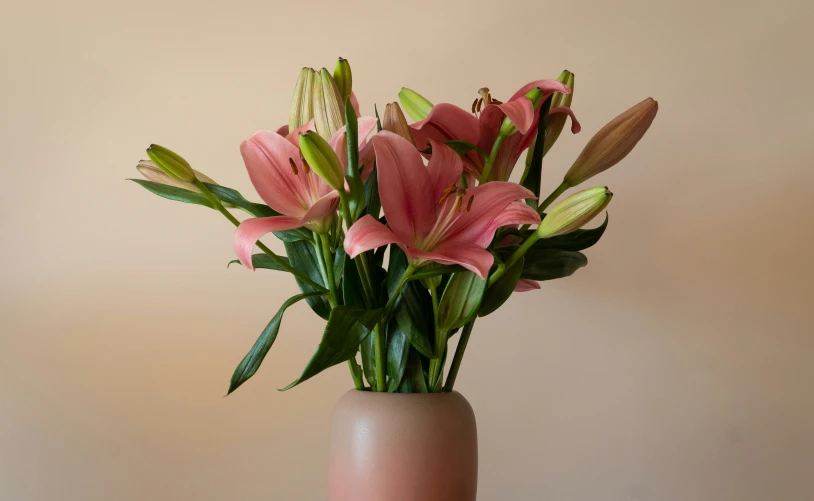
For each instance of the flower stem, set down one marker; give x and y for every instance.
(459, 355)
(436, 364)
(554, 195)
(328, 265)
(381, 361)
(487, 168)
(513, 258)
(274, 257)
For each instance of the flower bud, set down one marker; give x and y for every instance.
(343, 78)
(328, 113)
(613, 142)
(574, 212)
(171, 163)
(556, 122)
(321, 158)
(302, 103)
(152, 173)
(394, 121)
(415, 104)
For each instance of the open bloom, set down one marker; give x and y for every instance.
(288, 185)
(429, 216)
(447, 122)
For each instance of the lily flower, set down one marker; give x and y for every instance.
(429, 216)
(288, 185)
(482, 125)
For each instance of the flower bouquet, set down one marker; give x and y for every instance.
(401, 235)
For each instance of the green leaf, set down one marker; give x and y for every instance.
(251, 362)
(353, 291)
(550, 264)
(262, 261)
(347, 327)
(372, 201)
(368, 350)
(303, 258)
(575, 241)
(173, 193)
(499, 292)
(434, 271)
(532, 176)
(414, 381)
(461, 299)
(414, 310)
(340, 257)
(398, 349)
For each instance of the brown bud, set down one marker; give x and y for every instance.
(394, 121)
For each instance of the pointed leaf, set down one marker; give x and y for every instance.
(302, 256)
(499, 292)
(174, 193)
(347, 327)
(353, 175)
(398, 349)
(251, 362)
(532, 176)
(550, 264)
(264, 262)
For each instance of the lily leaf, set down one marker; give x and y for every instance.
(251, 362)
(414, 309)
(353, 174)
(372, 201)
(173, 193)
(263, 261)
(347, 328)
(398, 349)
(532, 176)
(302, 256)
(460, 147)
(499, 292)
(550, 264)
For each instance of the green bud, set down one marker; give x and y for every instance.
(171, 163)
(574, 212)
(321, 158)
(302, 102)
(613, 142)
(461, 300)
(416, 105)
(151, 172)
(343, 78)
(556, 122)
(328, 113)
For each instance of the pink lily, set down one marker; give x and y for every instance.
(431, 218)
(447, 121)
(286, 183)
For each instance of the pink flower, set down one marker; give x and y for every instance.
(447, 121)
(286, 183)
(429, 216)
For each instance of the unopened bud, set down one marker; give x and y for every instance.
(302, 102)
(171, 163)
(416, 105)
(343, 78)
(574, 212)
(395, 121)
(613, 142)
(556, 122)
(328, 113)
(151, 172)
(321, 158)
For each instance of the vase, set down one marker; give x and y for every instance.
(403, 447)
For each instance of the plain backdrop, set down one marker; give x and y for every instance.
(678, 366)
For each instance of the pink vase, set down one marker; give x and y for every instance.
(403, 447)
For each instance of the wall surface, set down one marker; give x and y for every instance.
(677, 366)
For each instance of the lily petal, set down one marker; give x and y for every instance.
(575, 126)
(250, 231)
(268, 158)
(367, 233)
(471, 257)
(322, 210)
(520, 111)
(547, 86)
(525, 285)
(405, 188)
(365, 125)
(445, 168)
(514, 214)
(446, 122)
(488, 202)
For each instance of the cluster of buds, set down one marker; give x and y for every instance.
(320, 96)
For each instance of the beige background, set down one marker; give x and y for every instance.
(677, 367)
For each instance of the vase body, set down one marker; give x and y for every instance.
(403, 447)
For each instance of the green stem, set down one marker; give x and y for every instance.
(554, 195)
(356, 374)
(513, 258)
(487, 168)
(381, 361)
(436, 366)
(459, 355)
(274, 257)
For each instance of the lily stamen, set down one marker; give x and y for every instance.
(293, 166)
